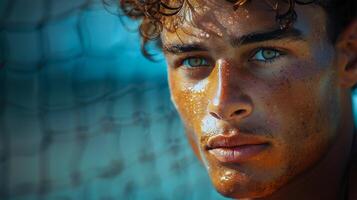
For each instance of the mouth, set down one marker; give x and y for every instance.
(237, 148)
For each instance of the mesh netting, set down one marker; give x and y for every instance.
(82, 114)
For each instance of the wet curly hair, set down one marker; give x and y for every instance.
(154, 15)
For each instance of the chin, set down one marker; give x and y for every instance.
(233, 183)
(241, 192)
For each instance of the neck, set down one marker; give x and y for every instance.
(327, 179)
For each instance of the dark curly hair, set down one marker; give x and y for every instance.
(155, 14)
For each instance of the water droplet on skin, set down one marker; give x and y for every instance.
(224, 178)
(227, 175)
(209, 125)
(199, 87)
(205, 9)
(233, 131)
(230, 21)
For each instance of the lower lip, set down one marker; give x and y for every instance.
(238, 154)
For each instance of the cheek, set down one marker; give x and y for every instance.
(296, 93)
(189, 103)
(304, 104)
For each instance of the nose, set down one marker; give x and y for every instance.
(227, 100)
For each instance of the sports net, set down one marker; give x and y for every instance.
(82, 114)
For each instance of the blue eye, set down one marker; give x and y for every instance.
(266, 55)
(195, 62)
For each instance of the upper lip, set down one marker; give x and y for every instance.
(235, 140)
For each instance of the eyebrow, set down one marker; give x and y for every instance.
(278, 34)
(181, 48)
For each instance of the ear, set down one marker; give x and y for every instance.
(346, 47)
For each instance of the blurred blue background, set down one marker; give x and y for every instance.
(83, 115)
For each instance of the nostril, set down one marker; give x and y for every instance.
(214, 115)
(240, 112)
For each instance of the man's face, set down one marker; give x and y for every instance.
(261, 105)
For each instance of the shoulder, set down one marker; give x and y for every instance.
(352, 174)
(352, 180)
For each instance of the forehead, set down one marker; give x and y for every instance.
(219, 20)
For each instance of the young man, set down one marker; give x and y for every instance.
(264, 90)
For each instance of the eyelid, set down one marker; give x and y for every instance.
(255, 51)
(181, 61)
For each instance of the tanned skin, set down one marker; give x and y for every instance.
(236, 76)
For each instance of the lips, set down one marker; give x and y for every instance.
(235, 148)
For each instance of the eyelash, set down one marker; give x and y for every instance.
(182, 61)
(280, 54)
